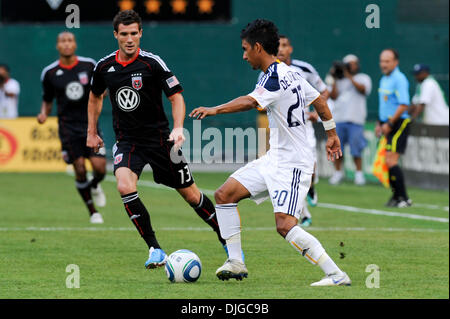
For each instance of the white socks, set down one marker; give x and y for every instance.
(307, 245)
(234, 247)
(230, 229)
(327, 265)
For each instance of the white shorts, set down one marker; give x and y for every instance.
(286, 187)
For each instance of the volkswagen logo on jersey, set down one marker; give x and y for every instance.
(136, 80)
(74, 91)
(127, 99)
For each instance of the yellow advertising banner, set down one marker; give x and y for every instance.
(27, 146)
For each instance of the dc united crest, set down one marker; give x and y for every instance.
(136, 81)
(118, 158)
(83, 77)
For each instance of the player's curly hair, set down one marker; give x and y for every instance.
(264, 32)
(127, 17)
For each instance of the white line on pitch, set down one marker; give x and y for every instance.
(325, 205)
(381, 212)
(201, 229)
(430, 206)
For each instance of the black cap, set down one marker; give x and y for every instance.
(419, 68)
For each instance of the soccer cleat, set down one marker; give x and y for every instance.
(96, 218)
(232, 268)
(359, 178)
(337, 177)
(98, 196)
(333, 280)
(392, 202)
(226, 250)
(312, 200)
(306, 222)
(156, 258)
(402, 202)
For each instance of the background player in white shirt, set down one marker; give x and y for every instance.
(284, 173)
(428, 98)
(310, 74)
(9, 94)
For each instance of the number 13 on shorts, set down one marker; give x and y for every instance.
(185, 174)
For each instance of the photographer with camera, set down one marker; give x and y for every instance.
(9, 94)
(349, 92)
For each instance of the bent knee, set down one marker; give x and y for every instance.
(125, 187)
(285, 223)
(100, 171)
(222, 196)
(219, 196)
(192, 198)
(80, 170)
(99, 166)
(283, 229)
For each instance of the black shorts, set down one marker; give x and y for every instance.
(76, 147)
(398, 137)
(169, 167)
(73, 141)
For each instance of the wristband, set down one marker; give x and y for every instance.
(329, 125)
(391, 125)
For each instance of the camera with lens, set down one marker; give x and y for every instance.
(2, 80)
(337, 71)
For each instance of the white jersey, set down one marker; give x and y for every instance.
(309, 73)
(312, 76)
(286, 95)
(430, 94)
(9, 104)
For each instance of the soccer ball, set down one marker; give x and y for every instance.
(183, 266)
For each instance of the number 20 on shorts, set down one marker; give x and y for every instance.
(280, 197)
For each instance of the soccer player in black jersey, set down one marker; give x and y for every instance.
(68, 80)
(135, 80)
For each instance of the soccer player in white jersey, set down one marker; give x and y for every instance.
(284, 173)
(310, 74)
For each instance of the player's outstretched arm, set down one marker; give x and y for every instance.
(240, 104)
(94, 109)
(333, 145)
(46, 109)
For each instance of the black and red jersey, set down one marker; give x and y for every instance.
(70, 85)
(135, 90)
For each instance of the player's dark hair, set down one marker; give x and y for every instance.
(63, 32)
(282, 36)
(127, 17)
(394, 52)
(263, 32)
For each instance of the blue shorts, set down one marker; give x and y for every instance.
(353, 134)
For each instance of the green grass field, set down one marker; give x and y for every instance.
(44, 227)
